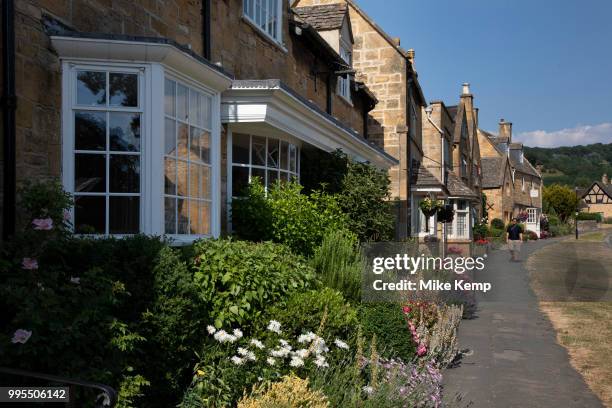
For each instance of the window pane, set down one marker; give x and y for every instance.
(272, 178)
(194, 180)
(292, 158)
(258, 154)
(91, 88)
(90, 172)
(273, 153)
(182, 189)
(89, 130)
(284, 156)
(205, 180)
(183, 216)
(240, 180)
(170, 215)
(181, 102)
(204, 218)
(259, 173)
(124, 215)
(123, 89)
(206, 111)
(170, 137)
(124, 131)
(182, 139)
(195, 108)
(200, 145)
(89, 215)
(169, 97)
(124, 173)
(240, 148)
(170, 176)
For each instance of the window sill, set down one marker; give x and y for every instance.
(264, 35)
(345, 100)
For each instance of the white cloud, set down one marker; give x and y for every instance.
(579, 135)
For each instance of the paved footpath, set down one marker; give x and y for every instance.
(514, 359)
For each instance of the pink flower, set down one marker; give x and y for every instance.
(407, 309)
(66, 215)
(29, 264)
(422, 350)
(21, 336)
(42, 224)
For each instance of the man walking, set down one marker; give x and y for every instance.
(514, 238)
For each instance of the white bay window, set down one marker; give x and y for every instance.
(460, 227)
(141, 140)
(265, 15)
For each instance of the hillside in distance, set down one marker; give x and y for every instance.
(573, 165)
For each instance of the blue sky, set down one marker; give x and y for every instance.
(544, 65)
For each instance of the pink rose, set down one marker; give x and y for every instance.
(29, 264)
(422, 350)
(407, 309)
(43, 224)
(21, 336)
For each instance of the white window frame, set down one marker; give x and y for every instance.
(151, 94)
(452, 228)
(344, 81)
(272, 30)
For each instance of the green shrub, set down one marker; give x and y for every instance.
(239, 279)
(590, 217)
(285, 215)
(480, 231)
(553, 220)
(339, 263)
(304, 311)
(387, 322)
(497, 224)
(363, 192)
(496, 232)
(561, 229)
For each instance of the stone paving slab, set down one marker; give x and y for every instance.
(514, 358)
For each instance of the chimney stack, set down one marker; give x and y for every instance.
(505, 130)
(410, 54)
(604, 179)
(466, 89)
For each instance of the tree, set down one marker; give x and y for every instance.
(562, 199)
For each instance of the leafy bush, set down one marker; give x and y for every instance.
(590, 217)
(497, 223)
(238, 279)
(387, 322)
(561, 229)
(305, 310)
(562, 199)
(553, 220)
(530, 236)
(497, 232)
(363, 192)
(290, 392)
(339, 263)
(480, 231)
(285, 215)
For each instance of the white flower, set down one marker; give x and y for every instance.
(285, 344)
(296, 362)
(238, 333)
(237, 360)
(211, 329)
(242, 351)
(306, 338)
(223, 337)
(271, 361)
(274, 326)
(257, 344)
(319, 345)
(251, 356)
(280, 352)
(320, 362)
(368, 390)
(75, 280)
(340, 344)
(302, 353)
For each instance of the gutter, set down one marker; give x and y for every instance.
(9, 106)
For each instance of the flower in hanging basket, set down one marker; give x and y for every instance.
(430, 206)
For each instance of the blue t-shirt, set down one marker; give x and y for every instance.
(514, 232)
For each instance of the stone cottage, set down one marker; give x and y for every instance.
(513, 186)
(155, 114)
(598, 197)
(389, 72)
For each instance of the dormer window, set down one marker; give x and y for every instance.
(265, 15)
(344, 81)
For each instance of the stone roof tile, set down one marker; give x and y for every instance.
(323, 17)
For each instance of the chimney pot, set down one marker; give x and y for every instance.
(466, 88)
(505, 130)
(604, 179)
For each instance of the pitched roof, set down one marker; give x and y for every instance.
(323, 17)
(606, 188)
(492, 171)
(421, 176)
(457, 188)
